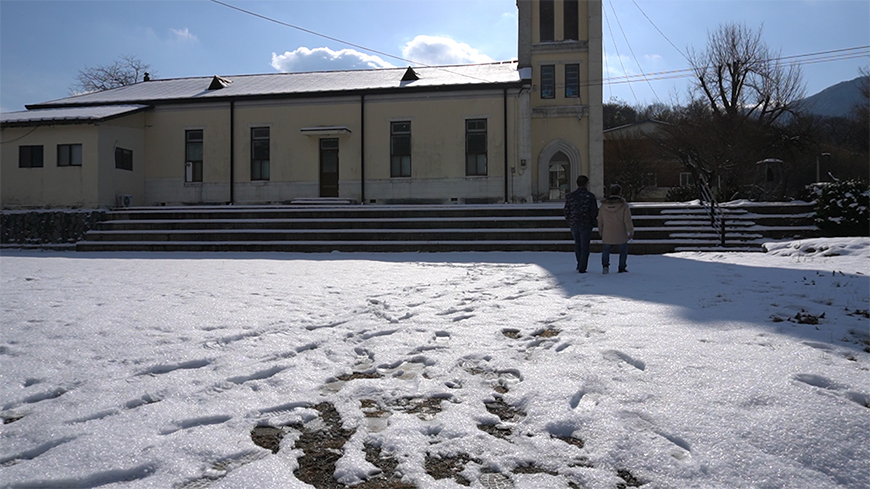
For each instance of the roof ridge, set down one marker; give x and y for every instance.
(348, 70)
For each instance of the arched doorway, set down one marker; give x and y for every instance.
(558, 168)
(559, 176)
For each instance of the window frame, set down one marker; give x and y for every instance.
(196, 165)
(66, 155)
(126, 159)
(547, 20)
(400, 161)
(548, 82)
(30, 162)
(572, 86)
(686, 179)
(571, 20)
(258, 165)
(476, 130)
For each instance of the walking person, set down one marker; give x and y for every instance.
(581, 212)
(615, 228)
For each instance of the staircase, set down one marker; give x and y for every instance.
(660, 228)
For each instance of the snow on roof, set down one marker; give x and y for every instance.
(288, 84)
(67, 115)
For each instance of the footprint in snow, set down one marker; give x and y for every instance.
(821, 382)
(618, 356)
(187, 424)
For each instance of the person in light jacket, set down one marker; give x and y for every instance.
(615, 228)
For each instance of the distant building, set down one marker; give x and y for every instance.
(517, 131)
(632, 159)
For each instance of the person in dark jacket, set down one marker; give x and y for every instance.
(615, 228)
(581, 212)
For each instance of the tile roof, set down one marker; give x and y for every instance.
(296, 84)
(67, 114)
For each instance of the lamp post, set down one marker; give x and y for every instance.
(817, 166)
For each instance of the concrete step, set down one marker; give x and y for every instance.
(636, 247)
(660, 228)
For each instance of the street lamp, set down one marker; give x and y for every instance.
(817, 165)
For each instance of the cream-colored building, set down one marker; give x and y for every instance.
(518, 131)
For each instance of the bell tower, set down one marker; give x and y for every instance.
(560, 59)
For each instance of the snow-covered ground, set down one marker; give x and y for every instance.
(707, 370)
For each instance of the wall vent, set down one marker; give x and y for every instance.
(410, 75)
(219, 82)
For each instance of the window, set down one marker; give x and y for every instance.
(475, 147)
(548, 81)
(547, 22)
(686, 179)
(571, 11)
(572, 81)
(193, 155)
(30, 156)
(69, 155)
(400, 149)
(259, 153)
(123, 159)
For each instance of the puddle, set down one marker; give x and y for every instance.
(405, 371)
(268, 437)
(376, 419)
(444, 467)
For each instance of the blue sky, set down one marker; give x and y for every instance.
(43, 44)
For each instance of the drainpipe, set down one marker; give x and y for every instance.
(506, 172)
(362, 148)
(232, 151)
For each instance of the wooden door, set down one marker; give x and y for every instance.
(329, 167)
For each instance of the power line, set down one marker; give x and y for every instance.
(285, 24)
(347, 43)
(617, 51)
(795, 60)
(660, 31)
(636, 59)
(819, 57)
(791, 60)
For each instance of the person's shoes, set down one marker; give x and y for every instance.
(581, 271)
(605, 270)
(622, 270)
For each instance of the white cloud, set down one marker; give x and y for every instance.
(617, 66)
(183, 34)
(433, 50)
(325, 59)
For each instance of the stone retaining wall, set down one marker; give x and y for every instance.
(47, 227)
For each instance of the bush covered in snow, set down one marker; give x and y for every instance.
(842, 207)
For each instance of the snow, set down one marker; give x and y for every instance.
(713, 370)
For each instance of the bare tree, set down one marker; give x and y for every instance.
(126, 70)
(741, 91)
(740, 77)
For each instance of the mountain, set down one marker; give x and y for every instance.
(837, 100)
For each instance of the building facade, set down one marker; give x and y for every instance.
(633, 159)
(518, 131)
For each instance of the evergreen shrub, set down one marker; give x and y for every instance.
(842, 207)
(682, 194)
